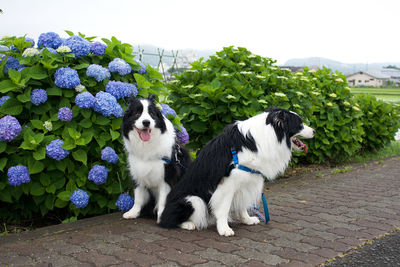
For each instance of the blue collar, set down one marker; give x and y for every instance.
(173, 162)
(241, 167)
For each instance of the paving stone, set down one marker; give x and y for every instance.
(255, 254)
(96, 258)
(184, 259)
(303, 257)
(323, 235)
(136, 258)
(221, 246)
(148, 237)
(299, 246)
(289, 236)
(60, 247)
(56, 259)
(224, 258)
(143, 246)
(265, 246)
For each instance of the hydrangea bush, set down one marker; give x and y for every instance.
(236, 84)
(61, 107)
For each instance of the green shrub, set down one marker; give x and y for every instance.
(53, 181)
(236, 84)
(380, 121)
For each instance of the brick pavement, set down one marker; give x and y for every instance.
(314, 217)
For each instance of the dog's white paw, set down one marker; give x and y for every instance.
(251, 220)
(131, 214)
(225, 231)
(188, 225)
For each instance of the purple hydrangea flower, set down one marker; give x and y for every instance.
(9, 128)
(182, 135)
(107, 105)
(38, 96)
(49, 39)
(98, 72)
(13, 63)
(119, 65)
(18, 175)
(121, 89)
(65, 114)
(4, 99)
(85, 100)
(124, 202)
(167, 110)
(28, 39)
(98, 48)
(98, 174)
(108, 154)
(67, 78)
(142, 69)
(79, 198)
(79, 46)
(55, 151)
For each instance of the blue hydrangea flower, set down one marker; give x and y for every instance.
(55, 151)
(98, 48)
(120, 89)
(107, 105)
(124, 202)
(79, 46)
(4, 99)
(142, 69)
(167, 110)
(79, 198)
(98, 174)
(13, 63)
(85, 100)
(67, 78)
(119, 65)
(98, 72)
(18, 175)
(38, 96)
(28, 39)
(108, 154)
(182, 135)
(65, 114)
(49, 39)
(9, 128)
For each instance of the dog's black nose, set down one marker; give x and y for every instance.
(146, 123)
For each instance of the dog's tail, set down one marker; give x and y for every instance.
(190, 208)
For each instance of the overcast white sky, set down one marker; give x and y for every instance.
(351, 31)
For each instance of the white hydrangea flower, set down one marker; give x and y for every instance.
(315, 93)
(242, 64)
(30, 52)
(286, 69)
(188, 86)
(304, 79)
(192, 71)
(299, 93)
(246, 72)
(329, 104)
(312, 71)
(356, 108)
(260, 76)
(262, 101)
(257, 65)
(282, 77)
(197, 95)
(231, 97)
(333, 95)
(79, 88)
(339, 80)
(280, 94)
(63, 49)
(273, 68)
(346, 103)
(225, 75)
(252, 56)
(314, 79)
(48, 125)
(298, 73)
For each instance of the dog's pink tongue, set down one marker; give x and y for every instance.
(145, 135)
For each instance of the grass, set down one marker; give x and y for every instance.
(385, 94)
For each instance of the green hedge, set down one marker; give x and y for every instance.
(236, 84)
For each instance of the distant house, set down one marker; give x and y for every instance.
(374, 78)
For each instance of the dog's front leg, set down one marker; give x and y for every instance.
(221, 203)
(163, 192)
(142, 196)
(246, 218)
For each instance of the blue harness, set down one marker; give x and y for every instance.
(255, 209)
(174, 159)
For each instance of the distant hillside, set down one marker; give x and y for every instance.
(336, 65)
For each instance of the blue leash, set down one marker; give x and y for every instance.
(255, 209)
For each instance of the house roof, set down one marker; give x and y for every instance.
(378, 74)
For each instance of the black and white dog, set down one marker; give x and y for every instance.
(214, 188)
(156, 160)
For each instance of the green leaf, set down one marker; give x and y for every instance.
(38, 124)
(11, 107)
(54, 91)
(141, 81)
(14, 75)
(49, 202)
(102, 201)
(3, 162)
(45, 179)
(6, 86)
(100, 120)
(114, 135)
(85, 138)
(69, 33)
(51, 189)
(80, 155)
(5, 196)
(35, 166)
(74, 133)
(81, 66)
(85, 123)
(3, 146)
(40, 153)
(37, 189)
(64, 195)
(199, 126)
(35, 72)
(60, 203)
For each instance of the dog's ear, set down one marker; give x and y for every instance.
(280, 118)
(132, 98)
(152, 97)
